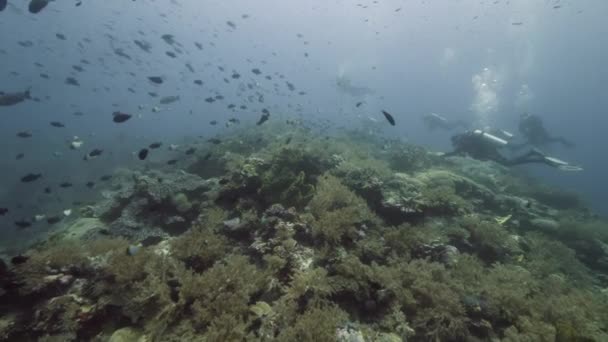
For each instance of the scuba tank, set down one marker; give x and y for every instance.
(492, 139)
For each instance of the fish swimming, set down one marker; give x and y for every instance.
(93, 154)
(53, 220)
(119, 117)
(143, 154)
(190, 151)
(3, 4)
(172, 162)
(24, 134)
(11, 99)
(156, 79)
(65, 185)
(264, 117)
(389, 118)
(155, 145)
(36, 6)
(3, 211)
(169, 99)
(22, 224)
(57, 124)
(31, 177)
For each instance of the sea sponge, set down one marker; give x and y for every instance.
(181, 202)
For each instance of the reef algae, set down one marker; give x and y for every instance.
(332, 238)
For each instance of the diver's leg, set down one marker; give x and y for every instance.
(531, 157)
(563, 141)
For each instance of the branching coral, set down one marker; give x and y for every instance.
(339, 213)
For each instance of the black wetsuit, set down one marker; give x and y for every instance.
(533, 130)
(477, 147)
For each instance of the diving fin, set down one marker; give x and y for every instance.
(571, 168)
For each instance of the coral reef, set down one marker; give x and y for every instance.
(295, 236)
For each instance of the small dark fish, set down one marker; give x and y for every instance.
(3, 211)
(172, 162)
(389, 118)
(105, 178)
(19, 156)
(11, 99)
(231, 24)
(24, 134)
(236, 76)
(72, 81)
(263, 118)
(36, 6)
(215, 141)
(93, 154)
(31, 177)
(143, 45)
(198, 82)
(234, 120)
(22, 224)
(170, 54)
(169, 99)
(53, 219)
(19, 259)
(119, 117)
(45, 76)
(358, 104)
(190, 151)
(90, 185)
(256, 71)
(57, 124)
(210, 100)
(213, 122)
(155, 145)
(3, 4)
(143, 154)
(65, 185)
(156, 79)
(48, 190)
(288, 140)
(78, 4)
(60, 36)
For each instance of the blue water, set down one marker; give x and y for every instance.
(462, 59)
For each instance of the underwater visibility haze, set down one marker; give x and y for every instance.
(399, 170)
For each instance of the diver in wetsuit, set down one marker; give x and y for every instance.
(533, 130)
(485, 146)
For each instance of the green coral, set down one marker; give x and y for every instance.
(291, 177)
(339, 213)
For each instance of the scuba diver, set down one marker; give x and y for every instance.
(434, 121)
(535, 133)
(485, 146)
